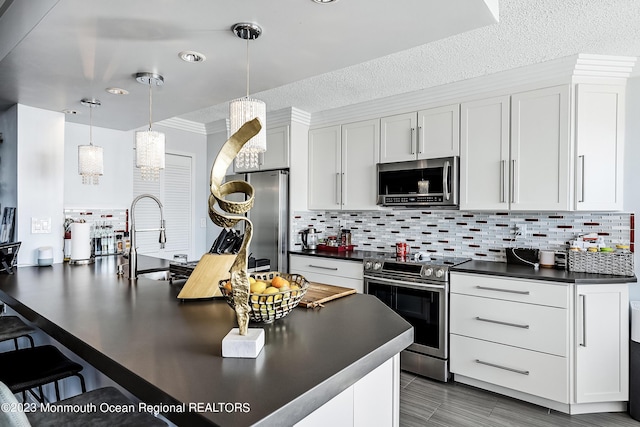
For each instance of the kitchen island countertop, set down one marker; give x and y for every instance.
(166, 351)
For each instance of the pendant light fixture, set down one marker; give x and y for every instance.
(150, 144)
(90, 158)
(242, 110)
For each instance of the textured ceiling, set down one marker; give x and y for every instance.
(529, 31)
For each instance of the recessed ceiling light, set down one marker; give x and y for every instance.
(117, 91)
(71, 112)
(324, 1)
(191, 56)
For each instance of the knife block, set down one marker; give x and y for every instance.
(203, 281)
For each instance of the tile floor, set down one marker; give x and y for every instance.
(427, 403)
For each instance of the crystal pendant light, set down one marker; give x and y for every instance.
(242, 110)
(90, 158)
(150, 144)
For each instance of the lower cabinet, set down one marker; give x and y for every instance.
(348, 274)
(372, 401)
(559, 345)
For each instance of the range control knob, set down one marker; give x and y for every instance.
(377, 265)
(428, 272)
(439, 272)
(367, 265)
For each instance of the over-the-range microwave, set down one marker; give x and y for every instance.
(420, 183)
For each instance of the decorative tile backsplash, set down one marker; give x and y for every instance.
(117, 218)
(478, 235)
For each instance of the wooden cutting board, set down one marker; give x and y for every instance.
(319, 293)
(203, 281)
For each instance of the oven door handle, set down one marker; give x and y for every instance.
(402, 284)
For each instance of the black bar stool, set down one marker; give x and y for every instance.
(12, 328)
(24, 369)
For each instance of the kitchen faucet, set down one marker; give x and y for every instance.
(133, 253)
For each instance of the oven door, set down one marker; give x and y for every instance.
(424, 306)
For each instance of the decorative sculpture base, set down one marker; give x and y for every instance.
(246, 346)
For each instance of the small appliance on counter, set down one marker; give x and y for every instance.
(45, 256)
(310, 239)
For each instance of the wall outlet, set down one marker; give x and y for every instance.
(520, 230)
(203, 223)
(342, 223)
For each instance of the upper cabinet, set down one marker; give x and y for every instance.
(599, 146)
(342, 166)
(277, 154)
(426, 134)
(516, 151)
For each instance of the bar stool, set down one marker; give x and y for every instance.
(24, 369)
(107, 395)
(12, 328)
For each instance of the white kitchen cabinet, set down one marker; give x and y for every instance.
(277, 154)
(515, 151)
(602, 343)
(342, 166)
(559, 345)
(599, 146)
(430, 133)
(348, 274)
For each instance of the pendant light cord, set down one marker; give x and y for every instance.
(150, 100)
(90, 124)
(247, 67)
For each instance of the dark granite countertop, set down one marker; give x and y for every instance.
(165, 351)
(550, 274)
(355, 255)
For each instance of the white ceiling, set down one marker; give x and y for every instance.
(53, 53)
(313, 57)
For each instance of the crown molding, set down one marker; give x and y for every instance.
(182, 124)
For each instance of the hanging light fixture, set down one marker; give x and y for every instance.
(90, 159)
(242, 110)
(150, 144)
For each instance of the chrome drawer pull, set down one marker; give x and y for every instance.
(515, 325)
(486, 288)
(325, 268)
(517, 371)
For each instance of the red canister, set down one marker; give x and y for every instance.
(402, 249)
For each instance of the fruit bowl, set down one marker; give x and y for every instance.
(269, 305)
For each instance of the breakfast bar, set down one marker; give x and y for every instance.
(168, 352)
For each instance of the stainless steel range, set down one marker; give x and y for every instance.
(417, 288)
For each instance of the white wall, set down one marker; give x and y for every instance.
(115, 190)
(40, 180)
(632, 163)
(215, 141)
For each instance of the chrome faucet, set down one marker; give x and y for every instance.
(133, 253)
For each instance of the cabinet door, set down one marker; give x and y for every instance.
(439, 132)
(539, 164)
(360, 148)
(398, 138)
(484, 154)
(602, 343)
(324, 168)
(599, 147)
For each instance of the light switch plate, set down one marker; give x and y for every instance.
(40, 225)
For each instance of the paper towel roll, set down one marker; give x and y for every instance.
(80, 241)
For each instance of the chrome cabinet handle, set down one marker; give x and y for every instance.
(513, 181)
(581, 178)
(584, 320)
(511, 291)
(324, 268)
(413, 151)
(493, 365)
(337, 188)
(503, 164)
(343, 195)
(445, 180)
(420, 140)
(499, 322)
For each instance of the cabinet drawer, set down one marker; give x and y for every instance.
(527, 371)
(319, 265)
(528, 291)
(528, 326)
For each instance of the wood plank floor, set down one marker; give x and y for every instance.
(427, 403)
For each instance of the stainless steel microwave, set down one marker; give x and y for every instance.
(420, 183)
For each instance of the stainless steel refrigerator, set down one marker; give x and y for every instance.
(270, 216)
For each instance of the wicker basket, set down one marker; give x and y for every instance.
(266, 308)
(619, 264)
